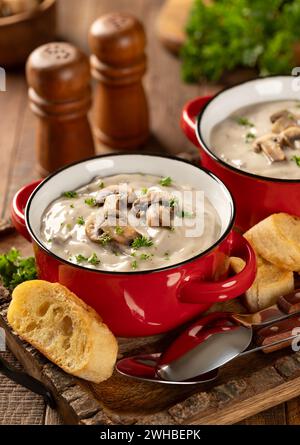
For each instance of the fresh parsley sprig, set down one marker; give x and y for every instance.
(14, 269)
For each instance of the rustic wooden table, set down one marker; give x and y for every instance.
(167, 94)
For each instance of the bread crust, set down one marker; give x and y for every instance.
(70, 333)
(277, 240)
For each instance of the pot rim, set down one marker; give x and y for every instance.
(213, 155)
(134, 273)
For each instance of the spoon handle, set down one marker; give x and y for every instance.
(264, 347)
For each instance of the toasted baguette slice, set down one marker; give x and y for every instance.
(277, 240)
(270, 283)
(64, 329)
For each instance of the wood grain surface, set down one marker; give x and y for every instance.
(166, 93)
(244, 387)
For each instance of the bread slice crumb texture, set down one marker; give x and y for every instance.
(64, 329)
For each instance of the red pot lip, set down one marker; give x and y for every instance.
(219, 160)
(133, 273)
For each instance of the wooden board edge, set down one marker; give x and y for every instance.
(253, 405)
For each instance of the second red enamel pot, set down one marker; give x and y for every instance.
(256, 197)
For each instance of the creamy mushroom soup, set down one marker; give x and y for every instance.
(130, 222)
(263, 139)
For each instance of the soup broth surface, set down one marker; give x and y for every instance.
(84, 227)
(233, 140)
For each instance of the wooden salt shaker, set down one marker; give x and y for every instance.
(58, 75)
(118, 63)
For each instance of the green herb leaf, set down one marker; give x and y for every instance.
(90, 202)
(146, 256)
(94, 260)
(172, 202)
(134, 265)
(80, 258)
(70, 195)
(186, 214)
(296, 159)
(80, 221)
(144, 191)
(166, 182)
(249, 137)
(141, 241)
(14, 269)
(69, 226)
(223, 36)
(101, 185)
(244, 122)
(104, 239)
(72, 206)
(119, 230)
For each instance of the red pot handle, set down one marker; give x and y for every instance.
(197, 291)
(189, 115)
(18, 205)
(196, 334)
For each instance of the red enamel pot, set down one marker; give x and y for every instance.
(141, 303)
(256, 197)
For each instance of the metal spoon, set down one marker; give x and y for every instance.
(143, 367)
(218, 338)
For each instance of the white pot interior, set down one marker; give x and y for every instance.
(82, 173)
(252, 92)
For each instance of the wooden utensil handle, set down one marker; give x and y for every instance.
(290, 303)
(278, 331)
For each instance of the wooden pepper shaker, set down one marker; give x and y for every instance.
(118, 63)
(58, 75)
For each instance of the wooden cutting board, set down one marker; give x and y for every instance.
(245, 387)
(171, 23)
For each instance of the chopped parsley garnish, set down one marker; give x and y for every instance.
(244, 122)
(49, 240)
(69, 226)
(296, 159)
(144, 190)
(101, 185)
(104, 239)
(146, 256)
(166, 182)
(70, 194)
(72, 206)
(186, 214)
(119, 230)
(134, 265)
(142, 241)
(249, 137)
(80, 258)
(173, 202)
(94, 260)
(80, 221)
(90, 202)
(167, 255)
(14, 269)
